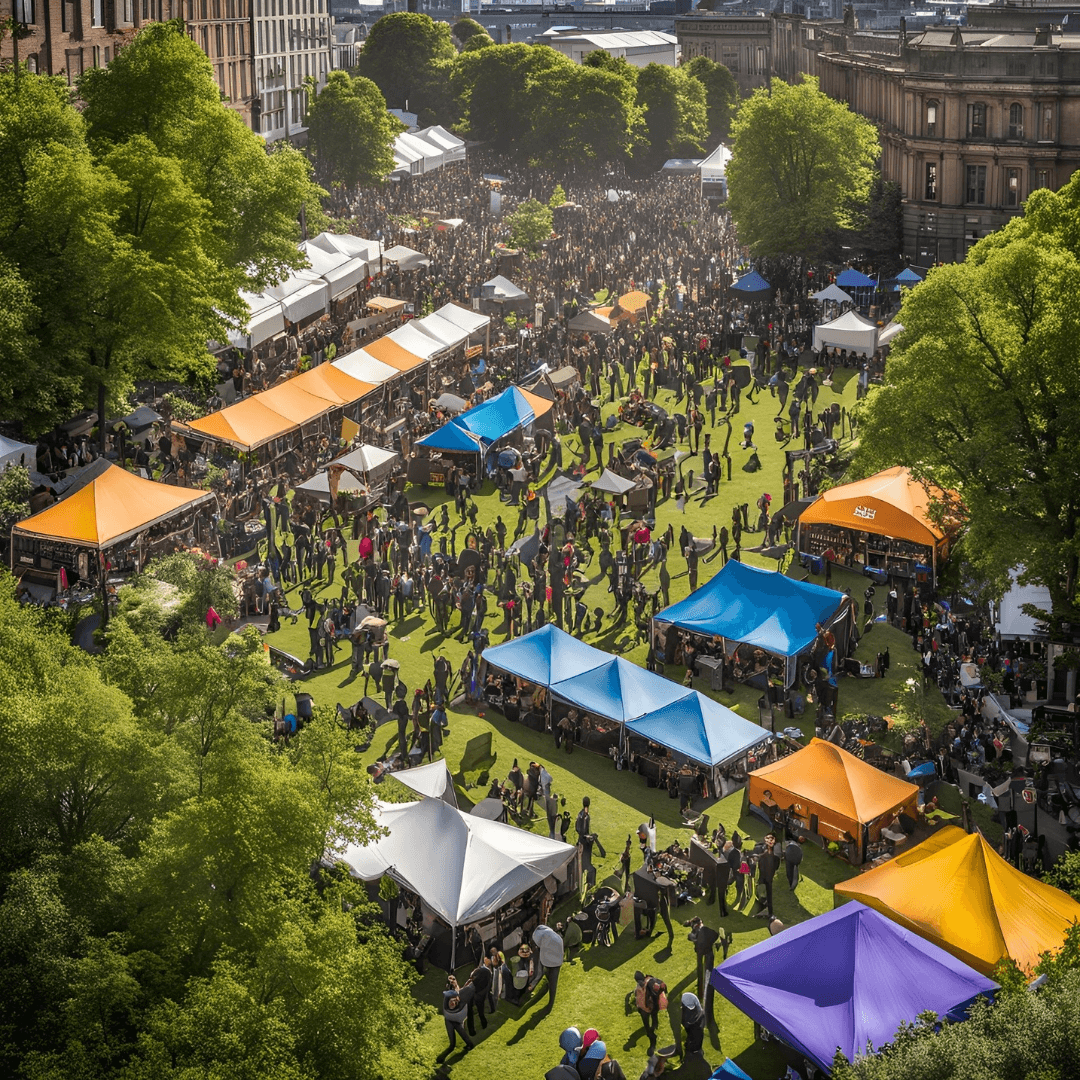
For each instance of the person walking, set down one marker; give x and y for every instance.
(549, 947)
(455, 1008)
(767, 864)
(650, 999)
(793, 856)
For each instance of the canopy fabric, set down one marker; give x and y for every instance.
(888, 333)
(384, 303)
(618, 690)
(405, 257)
(416, 342)
(848, 331)
(889, 503)
(612, 483)
(498, 416)
(502, 290)
(464, 868)
(715, 163)
(847, 792)
(472, 321)
(540, 406)
(846, 979)
(390, 352)
(907, 276)
(854, 279)
(245, 425)
(347, 244)
(699, 728)
(751, 283)
(294, 402)
(759, 607)
(333, 386)
(432, 780)
(340, 271)
(371, 462)
(957, 892)
(560, 490)
(545, 655)
(302, 295)
(589, 322)
(361, 365)
(447, 334)
(13, 452)
(107, 506)
(453, 437)
(634, 301)
(267, 319)
(835, 294)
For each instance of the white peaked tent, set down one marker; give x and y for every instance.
(432, 780)
(267, 320)
(439, 329)
(405, 257)
(416, 342)
(302, 295)
(501, 290)
(849, 331)
(340, 271)
(471, 321)
(17, 453)
(888, 333)
(347, 244)
(714, 173)
(464, 868)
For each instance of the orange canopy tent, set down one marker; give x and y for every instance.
(634, 301)
(390, 352)
(108, 506)
(889, 503)
(539, 405)
(833, 792)
(957, 892)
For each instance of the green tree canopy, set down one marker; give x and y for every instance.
(465, 29)
(401, 56)
(982, 394)
(675, 113)
(801, 164)
(530, 224)
(350, 133)
(721, 94)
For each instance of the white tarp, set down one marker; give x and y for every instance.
(463, 868)
(347, 244)
(849, 331)
(453, 148)
(445, 333)
(432, 780)
(302, 295)
(366, 368)
(17, 453)
(1011, 622)
(267, 320)
(372, 463)
(340, 271)
(888, 333)
(469, 320)
(713, 170)
(413, 341)
(502, 290)
(405, 257)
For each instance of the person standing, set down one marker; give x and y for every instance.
(704, 939)
(455, 1008)
(480, 980)
(549, 947)
(693, 1022)
(767, 865)
(793, 856)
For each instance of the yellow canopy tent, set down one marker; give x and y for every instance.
(109, 506)
(833, 792)
(634, 301)
(956, 891)
(246, 425)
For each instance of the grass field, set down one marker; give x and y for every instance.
(593, 989)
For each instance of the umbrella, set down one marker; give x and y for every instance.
(526, 548)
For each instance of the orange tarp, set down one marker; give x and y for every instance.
(890, 503)
(112, 506)
(332, 385)
(246, 424)
(840, 788)
(957, 892)
(390, 352)
(294, 402)
(634, 301)
(539, 405)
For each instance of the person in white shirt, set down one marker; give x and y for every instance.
(549, 945)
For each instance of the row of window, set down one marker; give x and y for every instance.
(290, 7)
(975, 184)
(978, 120)
(211, 9)
(281, 36)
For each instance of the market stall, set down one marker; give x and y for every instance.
(848, 331)
(361, 475)
(882, 524)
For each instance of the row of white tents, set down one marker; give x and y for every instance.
(423, 151)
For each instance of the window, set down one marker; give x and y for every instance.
(1016, 121)
(977, 120)
(65, 17)
(108, 55)
(976, 184)
(931, 119)
(73, 58)
(129, 11)
(24, 12)
(931, 180)
(95, 55)
(730, 57)
(1042, 178)
(1047, 124)
(97, 12)
(1012, 187)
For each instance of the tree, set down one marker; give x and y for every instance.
(15, 488)
(675, 114)
(465, 29)
(878, 227)
(1065, 874)
(721, 94)
(801, 163)
(530, 224)
(350, 132)
(982, 394)
(401, 56)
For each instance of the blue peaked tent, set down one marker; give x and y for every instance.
(761, 608)
(618, 690)
(452, 437)
(847, 979)
(483, 424)
(545, 655)
(752, 284)
(855, 279)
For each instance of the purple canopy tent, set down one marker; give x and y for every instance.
(846, 979)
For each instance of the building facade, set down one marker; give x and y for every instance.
(742, 43)
(222, 29)
(637, 47)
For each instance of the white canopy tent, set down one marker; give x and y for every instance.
(471, 321)
(713, 169)
(888, 333)
(405, 257)
(833, 293)
(302, 295)
(340, 271)
(347, 244)
(267, 320)
(463, 868)
(416, 342)
(432, 780)
(453, 148)
(446, 333)
(848, 331)
(501, 290)
(13, 452)
(360, 365)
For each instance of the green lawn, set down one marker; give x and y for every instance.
(592, 991)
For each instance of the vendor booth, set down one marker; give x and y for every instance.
(444, 448)
(748, 616)
(114, 512)
(545, 656)
(465, 870)
(501, 294)
(988, 912)
(361, 473)
(831, 796)
(881, 524)
(844, 980)
(849, 331)
(752, 286)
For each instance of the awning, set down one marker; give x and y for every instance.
(302, 295)
(406, 258)
(390, 352)
(467, 319)
(385, 303)
(440, 330)
(545, 655)
(360, 365)
(340, 271)
(452, 437)
(416, 342)
(618, 690)
(267, 320)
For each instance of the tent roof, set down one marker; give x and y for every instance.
(612, 483)
(618, 690)
(833, 292)
(590, 322)
(540, 406)
(247, 424)
(825, 774)
(889, 332)
(390, 352)
(302, 295)
(854, 279)
(432, 780)
(700, 728)
(847, 979)
(446, 333)
(361, 365)
(504, 289)
(751, 283)
(464, 868)
(416, 341)
(496, 417)
(545, 655)
(340, 271)
(384, 303)
(405, 257)
(716, 162)
(562, 486)
(907, 276)
(452, 436)
(956, 891)
(848, 331)
(758, 607)
(109, 505)
(364, 459)
(11, 451)
(889, 503)
(634, 301)
(469, 320)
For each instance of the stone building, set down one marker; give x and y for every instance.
(742, 43)
(223, 30)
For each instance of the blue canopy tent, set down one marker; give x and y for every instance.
(847, 979)
(451, 437)
(544, 656)
(696, 727)
(618, 690)
(752, 284)
(764, 609)
(907, 276)
(497, 416)
(855, 279)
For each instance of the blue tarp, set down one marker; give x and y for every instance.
(758, 607)
(854, 279)
(451, 437)
(545, 655)
(699, 728)
(751, 283)
(619, 690)
(847, 979)
(497, 416)
(729, 1071)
